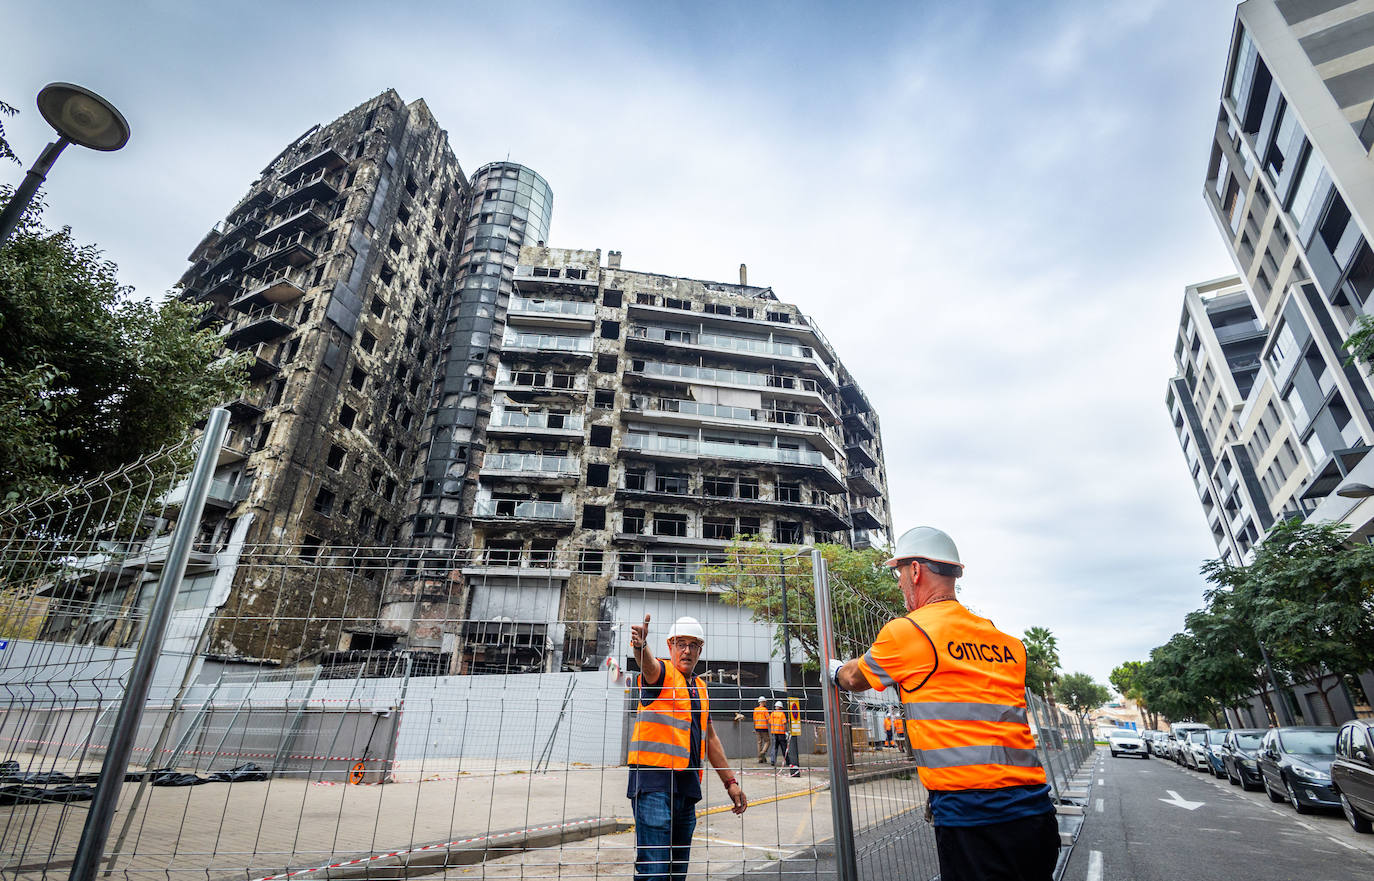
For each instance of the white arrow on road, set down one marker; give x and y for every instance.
(1179, 801)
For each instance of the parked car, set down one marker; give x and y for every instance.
(1215, 738)
(1352, 773)
(1153, 741)
(1238, 753)
(1125, 742)
(1195, 750)
(1295, 766)
(1178, 735)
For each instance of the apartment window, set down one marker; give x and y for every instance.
(365, 518)
(304, 314)
(382, 525)
(394, 244)
(610, 330)
(600, 436)
(675, 303)
(749, 487)
(347, 416)
(670, 524)
(386, 274)
(718, 486)
(357, 378)
(750, 526)
(598, 474)
(780, 317)
(636, 478)
(671, 483)
(744, 312)
(335, 459)
(403, 214)
(715, 309)
(367, 342)
(633, 521)
(310, 547)
(604, 399)
(645, 299)
(324, 502)
(377, 306)
(593, 516)
(789, 532)
(611, 298)
(590, 562)
(789, 492)
(607, 363)
(720, 528)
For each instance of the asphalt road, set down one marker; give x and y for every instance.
(1135, 831)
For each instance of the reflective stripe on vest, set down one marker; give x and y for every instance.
(777, 722)
(760, 718)
(662, 734)
(966, 719)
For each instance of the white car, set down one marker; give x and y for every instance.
(1125, 742)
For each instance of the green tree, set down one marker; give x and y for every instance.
(1360, 343)
(1042, 661)
(5, 151)
(1080, 693)
(863, 597)
(1128, 678)
(90, 377)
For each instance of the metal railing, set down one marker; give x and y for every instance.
(722, 450)
(572, 308)
(540, 463)
(519, 419)
(522, 510)
(533, 342)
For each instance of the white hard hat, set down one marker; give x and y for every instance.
(687, 626)
(927, 543)
(777, 705)
(762, 699)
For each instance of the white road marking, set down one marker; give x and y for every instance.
(1343, 844)
(1179, 801)
(1101, 782)
(1094, 865)
(1097, 806)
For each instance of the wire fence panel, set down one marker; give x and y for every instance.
(373, 712)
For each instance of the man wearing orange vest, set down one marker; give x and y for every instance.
(761, 729)
(672, 731)
(962, 683)
(888, 726)
(777, 726)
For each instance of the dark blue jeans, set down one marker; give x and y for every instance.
(664, 823)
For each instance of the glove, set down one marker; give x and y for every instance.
(835, 665)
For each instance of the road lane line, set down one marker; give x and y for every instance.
(1343, 844)
(1094, 865)
(1097, 806)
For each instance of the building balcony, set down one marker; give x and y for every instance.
(547, 344)
(540, 382)
(530, 466)
(508, 511)
(858, 424)
(322, 186)
(859, 453)
(224, 283)
(310, 218)
(223, 494)
(324, 161)
(261, 325)
(245, 226)
(864, 481)
(294, 250)
(231, 260)
(249, 405)
(282, 288)
(688, 448)
(258, 196)
(1243, 330)
(238, 445)
(684, 412)
(556, 425)
(779, 386)
(829, 510)
(551, 280)
(866, 515)
(265, 361)
(571, 314)
(852, 395)
(764, 351)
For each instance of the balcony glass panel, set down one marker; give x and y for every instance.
(522, 510)
(541, 463)
(518, 419)
(535, 341)
(552, 307)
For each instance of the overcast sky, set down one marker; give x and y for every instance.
(990, 209)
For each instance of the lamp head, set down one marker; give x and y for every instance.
(83, 117)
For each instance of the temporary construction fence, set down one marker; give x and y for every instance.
(329, 712)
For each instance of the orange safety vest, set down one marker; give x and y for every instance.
(662, 736)
(760, 718)
(887, 724)
(966, 719)
(777, 722)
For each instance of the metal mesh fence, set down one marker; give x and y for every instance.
(373, 712)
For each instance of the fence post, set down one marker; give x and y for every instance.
(846, 865)
(116, 763)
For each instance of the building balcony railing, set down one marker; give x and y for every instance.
(295, 250)
(261, 325)
(1239, 331)
(866, 515)
(796, 387)
(310, 217)
(513, 510)
(545, 342)
(242, 225)
(532, 463)
(553, 308)
(280, 288)
(551, 421)
(234, 258)
(322, 161)
(541, 380)
(721, 450)
(861, 454)
(864, 481)
(238, 445)
(658, 573)
(719, 341)
(793, 418)
(223, 493)
(323, 186)
(250, 404)
(226, 282)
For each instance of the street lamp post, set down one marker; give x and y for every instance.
(79, 116)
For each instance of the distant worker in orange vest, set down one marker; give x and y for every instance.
(962, 683)
(777, 725)
(761, 729)
(887, 729)
(672, 732)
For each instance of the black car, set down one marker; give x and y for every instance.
(1238, 754)
(1352, 773)
(1295, 766)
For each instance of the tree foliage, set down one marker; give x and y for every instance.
(863, 595)
(1080, 693)
(1308, 597)
(90, 377)
(1360, 343)
(6, 152)
(1042, 661)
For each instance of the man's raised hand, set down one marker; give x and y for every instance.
(639, 634)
